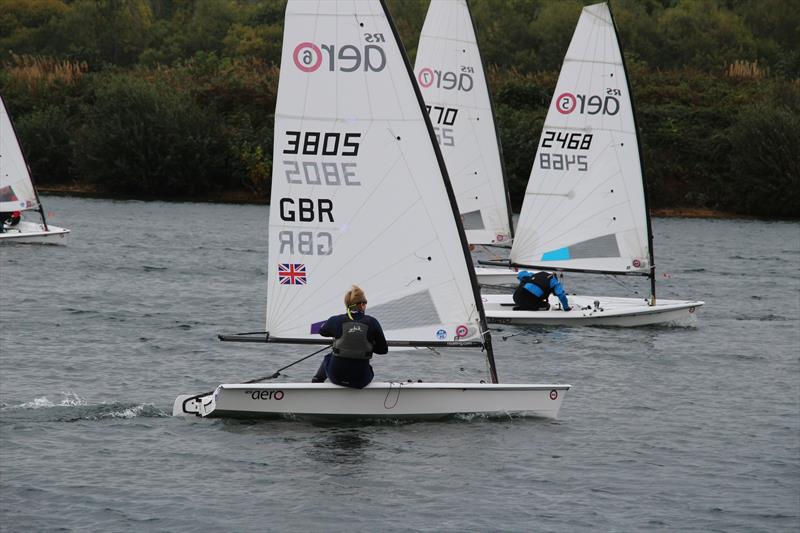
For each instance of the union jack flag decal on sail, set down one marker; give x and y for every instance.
(292, 273)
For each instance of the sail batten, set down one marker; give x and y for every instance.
(586, 185)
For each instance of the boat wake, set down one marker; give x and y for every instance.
(72, 408)
(770, 317)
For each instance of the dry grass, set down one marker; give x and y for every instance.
(750, 70)
(35, 71)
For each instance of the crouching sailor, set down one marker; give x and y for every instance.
(358, 336)
(534, 290)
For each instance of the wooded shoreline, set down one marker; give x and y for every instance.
(175, 100)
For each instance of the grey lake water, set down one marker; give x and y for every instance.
(666, 428)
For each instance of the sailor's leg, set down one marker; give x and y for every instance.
(321, 375)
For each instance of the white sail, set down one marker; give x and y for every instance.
(451, 77)
(584, 207)
(16, 187)
(358, 195)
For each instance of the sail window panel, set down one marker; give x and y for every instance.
(7, 194)
(472, 220)
(605, 246)
(412, 311)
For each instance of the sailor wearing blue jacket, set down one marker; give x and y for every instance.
(534, 290)
(357, 336)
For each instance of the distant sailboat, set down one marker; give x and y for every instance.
(18, 193)
(356, 171)
(585, 207)
(451, 77)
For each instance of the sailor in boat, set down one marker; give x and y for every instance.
(358, 336)
(9, 219)
(534, 290)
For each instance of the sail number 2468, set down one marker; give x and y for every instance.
(565, 141)
(548, 161)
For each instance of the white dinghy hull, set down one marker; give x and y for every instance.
(379, 400)
(32, 232)
(497, 276)
(592, 311)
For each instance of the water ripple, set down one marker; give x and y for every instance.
(678, 428)
(72, 408)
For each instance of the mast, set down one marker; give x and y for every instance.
(452, 197)
(496, 132)
(652, 274)
(35, 191)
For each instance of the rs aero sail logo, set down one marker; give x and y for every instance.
(589, 104)
(310, 57)
(447, 79)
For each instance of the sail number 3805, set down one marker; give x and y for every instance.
(327, 144)
(322, 143)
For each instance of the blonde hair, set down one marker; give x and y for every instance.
(354, 296)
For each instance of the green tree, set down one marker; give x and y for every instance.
(506, 24)
(254, 41)
(103, 32)
(701, 34)
(22, 23)
(408, 16)
(775, 25)
(639, 32)
(204, 25)
(142, 137)
(552, 31)
(45, 137)
(765, 160)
